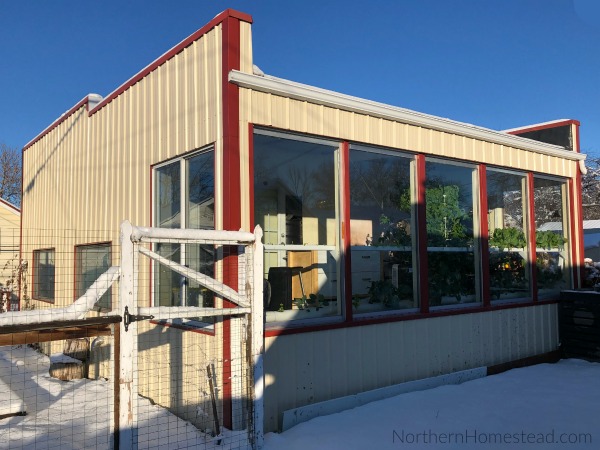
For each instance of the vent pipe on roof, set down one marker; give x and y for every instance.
(93, 100)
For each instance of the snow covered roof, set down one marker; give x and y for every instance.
(558, 226)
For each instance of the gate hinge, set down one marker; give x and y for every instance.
(129, 318)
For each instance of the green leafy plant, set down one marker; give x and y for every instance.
(549, 239)
(451, 274)
(356, 301)
(383, 291)
(445, 218)
(508, 237)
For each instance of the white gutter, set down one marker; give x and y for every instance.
(311, 94)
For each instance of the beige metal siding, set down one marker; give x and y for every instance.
(92, 172)
(294, 115)
(311, 367)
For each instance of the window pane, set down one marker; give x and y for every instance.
(450, 237)
(197, 197)
(551, 236)
(381, 238)
(93, 261)
(168, 204)
(43, 274)
(295, 201)
(168, 283)
(507, 226)
(200, 213)
(201, 192)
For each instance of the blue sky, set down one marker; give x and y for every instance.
(494, 63)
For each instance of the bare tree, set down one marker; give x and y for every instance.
(590, 187)
(10, 174)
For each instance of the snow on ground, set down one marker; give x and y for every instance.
(76, 414)
(548, 406)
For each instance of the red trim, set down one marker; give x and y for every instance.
(577, 250)
(57, 122)
(532, 244)
(230, 180)
(402, 318)
(484, 238)
(580, 260)
(345, 228)
(550, 358)
(422, 234)
(572, 237)
(223, 17)
(543, 126)
(151, 266)
(579, 263)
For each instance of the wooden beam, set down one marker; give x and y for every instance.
(57, 334)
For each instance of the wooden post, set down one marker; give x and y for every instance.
(257, 341)
(128, 354)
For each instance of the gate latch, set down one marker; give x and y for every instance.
(129, 318)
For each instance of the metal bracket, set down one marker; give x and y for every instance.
(129, 318)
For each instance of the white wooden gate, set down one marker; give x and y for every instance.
(242, 317)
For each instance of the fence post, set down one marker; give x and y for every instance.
(257, 339)
(127, 355)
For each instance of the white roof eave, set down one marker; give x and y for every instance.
(303, 92)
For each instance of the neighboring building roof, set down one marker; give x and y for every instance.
(538, 126)
(9, 206)
(558, 226)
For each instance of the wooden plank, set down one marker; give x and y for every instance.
(36, 336)
(95, 321)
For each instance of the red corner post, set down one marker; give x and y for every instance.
(484, 236)
(422, 234)
(230, 180)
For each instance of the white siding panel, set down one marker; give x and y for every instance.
(312, 367)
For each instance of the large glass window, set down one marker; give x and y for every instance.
(507, 226)
(43, 275)
(91, 261)
(296, 204)
(381, 231)
(451, 250)
(550, 206)
(184, 198)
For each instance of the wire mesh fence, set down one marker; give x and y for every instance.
(62, 382)
(193, 357)
(57, 400)
(57, 371)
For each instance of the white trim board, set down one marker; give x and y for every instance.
(293, 417)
